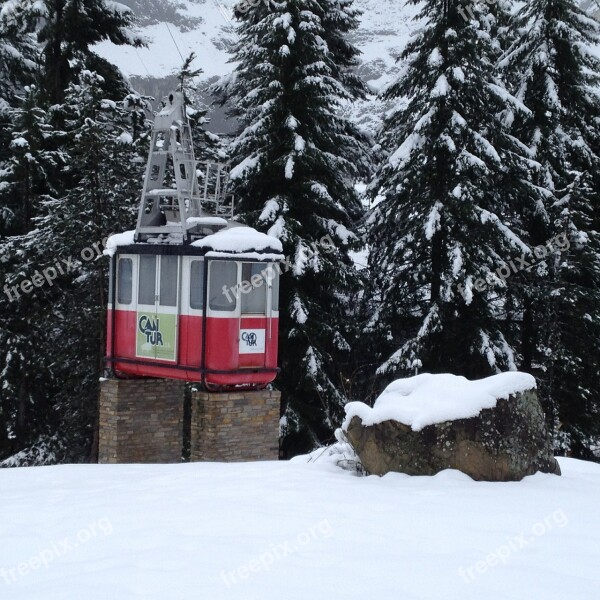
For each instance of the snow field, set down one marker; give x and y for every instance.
(297, 531)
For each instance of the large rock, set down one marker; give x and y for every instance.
(505, 439)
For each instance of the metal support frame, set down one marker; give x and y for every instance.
(173, 201)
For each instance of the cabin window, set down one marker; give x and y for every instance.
(111, 280)
(253, 289)
(125, 271)
(223, 286)
(125, 285)
(274, 278)
(147, 292)
(197, 285)
(168, 280)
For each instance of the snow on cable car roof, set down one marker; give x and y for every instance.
(237, 240)
(240, 240)
(207, 221)
(118, 239)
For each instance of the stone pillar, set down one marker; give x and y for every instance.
(141, 421)
(235, 426)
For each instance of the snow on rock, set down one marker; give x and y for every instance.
(119, 239)
(430, 399)
(236, 240)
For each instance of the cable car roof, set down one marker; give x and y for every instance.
(235, 240)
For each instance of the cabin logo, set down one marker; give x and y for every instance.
(250, 339)
(150, 328)
(156, 336)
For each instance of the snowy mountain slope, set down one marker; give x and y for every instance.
(592, 6)
(206, 27)
(266, 531)
(207, 31)
(174, 28)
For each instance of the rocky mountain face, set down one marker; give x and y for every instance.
(151, 12)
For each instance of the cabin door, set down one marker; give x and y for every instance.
(157, 307)
(253, 331)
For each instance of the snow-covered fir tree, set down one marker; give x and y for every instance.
(18, 47)
(18, 51)
(103, 169)
(23, 154)
(296, 162)
(553, 70)
(440, 233)
(208, 146)
(47, 159)
(33, 160)
(26, 178)
(69, 29)
(106, 169)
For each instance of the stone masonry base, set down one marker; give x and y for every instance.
(235, 426)
(141, 421)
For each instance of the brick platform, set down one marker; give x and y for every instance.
(236, 426)
(141, 421)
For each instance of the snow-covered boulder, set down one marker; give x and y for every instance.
(492, 429)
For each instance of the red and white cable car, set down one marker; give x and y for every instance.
(193, 295)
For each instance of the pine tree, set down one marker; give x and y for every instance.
(296, 163)
(45, 358)
(17, 66)
(56, 330)
(440, 234)
(22, 396)
(107, 167)
(18, 48)
(70, 28)
(555, 73)
(33, 160)
(207, 146)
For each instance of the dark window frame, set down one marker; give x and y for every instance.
(197, 287)
(121, 298)
(218, 294)
(142, 281)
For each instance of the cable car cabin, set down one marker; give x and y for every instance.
(193, 295)
(180, 312)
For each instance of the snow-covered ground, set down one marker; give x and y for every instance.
(295, 531)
